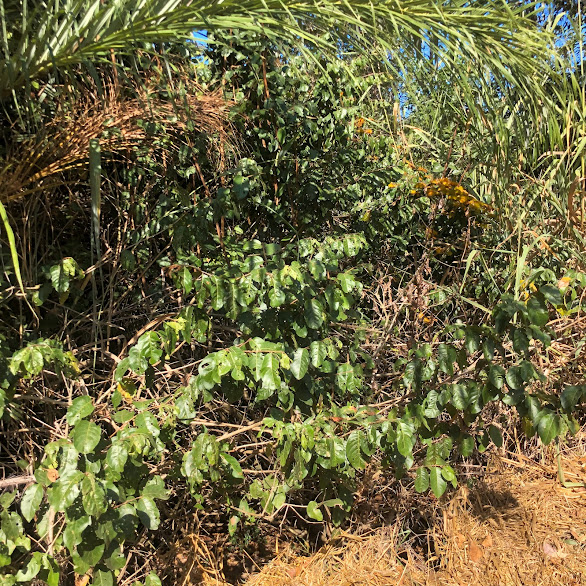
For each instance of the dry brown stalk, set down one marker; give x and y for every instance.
(16, 481)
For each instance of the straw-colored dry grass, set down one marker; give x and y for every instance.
(518, 526)
(39, 161)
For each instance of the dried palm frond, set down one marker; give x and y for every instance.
(38, 162)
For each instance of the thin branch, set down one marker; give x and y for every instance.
(16, 481)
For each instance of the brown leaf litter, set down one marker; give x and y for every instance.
(519, 526)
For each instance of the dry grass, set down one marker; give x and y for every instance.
(38, 162)
(518, 526)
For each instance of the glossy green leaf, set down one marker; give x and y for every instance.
(449, 475)
(437, 481)
(81, 407)
(548, 426)
(421, 479)
(496, 375)
(300, 363)
(446, 356)
(86, 436)
(269, 372)
(31, 501)
(318, 352)
(314, 314)
(148, 513)
(186, 280)
(405, 439)
(313, 511)
(353, 450)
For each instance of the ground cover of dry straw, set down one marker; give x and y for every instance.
(522, 524)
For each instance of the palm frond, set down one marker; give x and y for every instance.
(57, 34)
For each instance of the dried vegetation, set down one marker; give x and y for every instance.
(516, 525)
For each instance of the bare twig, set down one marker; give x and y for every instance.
(16, 481)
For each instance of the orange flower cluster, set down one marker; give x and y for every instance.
(359, 125)
(456, 196)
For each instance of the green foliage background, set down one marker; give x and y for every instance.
(339, 273)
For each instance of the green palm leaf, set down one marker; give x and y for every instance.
(57, 34)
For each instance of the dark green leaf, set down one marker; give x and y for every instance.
(571, 396)
(446, 356)
(537, 310)
(472, 342)
(496, 376)
(460, 396)
(541, 335)
(514, 378)
(520, 341)
(314, 314)
(548, 426)
(495, 435)
(552, 294)
(467, 446)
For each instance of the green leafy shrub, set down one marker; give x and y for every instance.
(233, 349)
